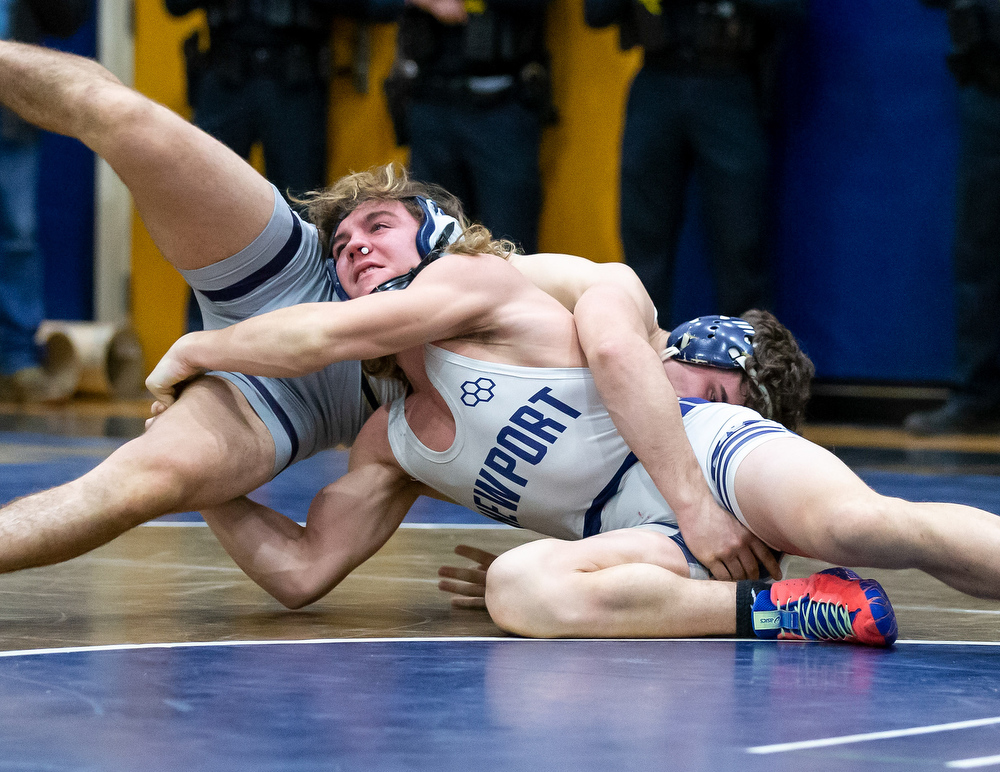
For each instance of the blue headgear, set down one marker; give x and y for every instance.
(716, 341)
(437, 231)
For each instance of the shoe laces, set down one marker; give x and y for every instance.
(810, 618)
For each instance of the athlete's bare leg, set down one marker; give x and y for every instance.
(802, 499)
(622, 584)
(199, 200)
(208, 448)
(201, 203)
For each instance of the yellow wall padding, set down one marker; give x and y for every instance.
(579, 159)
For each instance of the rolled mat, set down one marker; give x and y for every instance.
(92, 358)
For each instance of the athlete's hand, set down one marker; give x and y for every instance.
(156, 409)
(726, 548)
(467, 584)
(169, 373)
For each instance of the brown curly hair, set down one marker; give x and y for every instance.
(782, 367)
(326, 209)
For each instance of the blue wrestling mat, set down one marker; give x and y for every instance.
(38, 461)
(495, 704)
(33, 462)
(477, 704)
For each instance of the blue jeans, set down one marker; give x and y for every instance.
(977, 250)
(22, 302)
(676, 126)
(488, 157)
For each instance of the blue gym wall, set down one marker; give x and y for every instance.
(866, 138)
(66, 208)
(865, 208)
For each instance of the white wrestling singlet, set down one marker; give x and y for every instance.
(535, 447)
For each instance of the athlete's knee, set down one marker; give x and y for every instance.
(103, 106)
(527, 592)
(200, 453)
(163, 482)
(143, 481)
(118, 122)
(509, 588)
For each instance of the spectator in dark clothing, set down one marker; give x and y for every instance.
(974, 403)
(264, 77)
(698, 107)
(470, 95)
(22, 302)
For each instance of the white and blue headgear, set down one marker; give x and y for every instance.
(437, 231)
(717, 341)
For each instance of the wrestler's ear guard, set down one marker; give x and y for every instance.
(338, 288)
(719, 341)
(438, 230)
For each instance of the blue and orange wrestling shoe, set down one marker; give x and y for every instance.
(833, 605)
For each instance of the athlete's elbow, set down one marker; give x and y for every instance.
(607, 350)
(613, 356)
(112, 119)
(326, 347)
(297, 600)
(299, 589)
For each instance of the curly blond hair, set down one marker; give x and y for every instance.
(328, 207)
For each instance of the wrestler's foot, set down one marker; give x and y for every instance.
(833, 605)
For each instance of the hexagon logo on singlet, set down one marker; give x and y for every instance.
(477, 391)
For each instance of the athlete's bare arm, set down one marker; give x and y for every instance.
(616, 322)
(459, 297)
(567, 277)
(348, 522)
(200, 201)
(643, 404)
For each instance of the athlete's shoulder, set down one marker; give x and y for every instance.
(481, 284)
(462, 267)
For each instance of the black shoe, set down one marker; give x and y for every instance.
(953, 418)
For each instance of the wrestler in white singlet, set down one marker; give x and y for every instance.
(536, 448)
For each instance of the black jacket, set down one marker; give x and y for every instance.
(31, 19)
